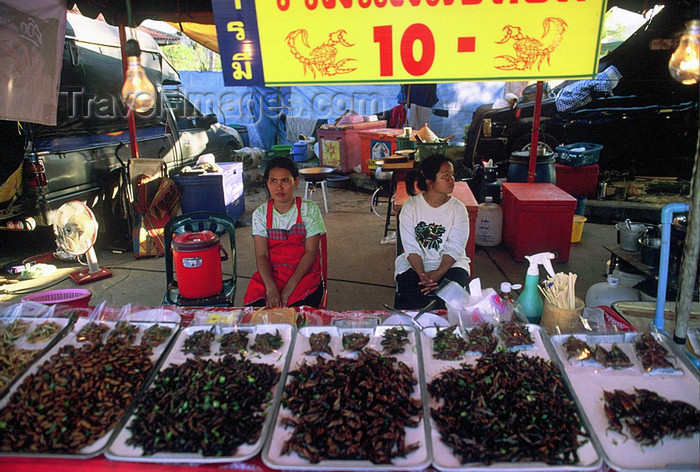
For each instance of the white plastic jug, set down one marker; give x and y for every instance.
(606, 293)
(489, 223)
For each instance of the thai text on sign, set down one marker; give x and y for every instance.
(297, 42)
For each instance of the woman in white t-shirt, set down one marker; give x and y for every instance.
(434, 228)
(286, 235)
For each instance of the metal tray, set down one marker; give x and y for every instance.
(444, 458)
(417, 460)
(70, 338)
(589, 381)
(120, 450)
(39, 348)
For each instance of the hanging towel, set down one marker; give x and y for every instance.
(398, 117)
(297, 125)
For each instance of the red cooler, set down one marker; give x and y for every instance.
(197, 264)
(537, 217)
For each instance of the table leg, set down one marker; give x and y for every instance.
(613, 263)
(323, 191)
(392, 190)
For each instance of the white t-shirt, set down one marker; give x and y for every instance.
(432, 232)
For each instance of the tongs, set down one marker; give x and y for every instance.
(413, 319)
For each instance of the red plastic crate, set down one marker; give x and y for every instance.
(578, 180)
(537, 218)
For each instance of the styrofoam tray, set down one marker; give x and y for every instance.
(22, 343)
(120, 450)
(99, 445)
(589, 381)
(443, 457)
(417, 460)
(427, 319)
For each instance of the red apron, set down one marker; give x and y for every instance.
(286, 248)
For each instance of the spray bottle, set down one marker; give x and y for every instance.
(530, 301)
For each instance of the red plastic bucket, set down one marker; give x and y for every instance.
(197, 264)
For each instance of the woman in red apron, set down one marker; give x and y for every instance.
(286, 236)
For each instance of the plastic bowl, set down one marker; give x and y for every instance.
(75, 297)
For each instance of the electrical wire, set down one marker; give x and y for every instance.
(356, 282)
(25, 291)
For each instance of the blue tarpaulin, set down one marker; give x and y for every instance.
(260, 108)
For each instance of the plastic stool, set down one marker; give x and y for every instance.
(310, 188)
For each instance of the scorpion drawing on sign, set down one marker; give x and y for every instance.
(320, 59)
(528, 50)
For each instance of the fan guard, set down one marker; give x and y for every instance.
(75, 227)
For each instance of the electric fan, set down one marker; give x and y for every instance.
(75, 228)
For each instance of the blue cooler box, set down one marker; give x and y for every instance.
(215, 191)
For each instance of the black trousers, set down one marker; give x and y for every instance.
(313, 299)
(408, 292)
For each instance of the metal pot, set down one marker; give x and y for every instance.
(650, 249)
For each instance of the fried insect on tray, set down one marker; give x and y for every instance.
(234, 342)
(123, 332)
(266, 343)
(14, 330)
(394, 340)
(13, 361)
(74, 398)
(515, 334)
(205, 406)
(155, 335)
(652, 354)
(319, 343)
(199, 342)
(355, 341)
(448, 345)
(481, 339)
(92, 332)
(648, 417)
(43, 332)
(615, 358)
(578, 349)
(349, 408)
(508, 407)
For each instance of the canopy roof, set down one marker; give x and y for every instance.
(200, 11)
(196, 19)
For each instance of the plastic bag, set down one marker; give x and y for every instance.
(477, 306)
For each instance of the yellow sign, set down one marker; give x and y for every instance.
(330, 152)
(356, 41)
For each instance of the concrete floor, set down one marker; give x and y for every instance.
(360, 267)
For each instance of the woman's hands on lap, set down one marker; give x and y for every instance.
(428, 281)
(274, 299)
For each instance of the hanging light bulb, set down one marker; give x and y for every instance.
(684, 65)
(138, 93)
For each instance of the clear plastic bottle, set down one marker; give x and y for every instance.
(506, 294)
(489, 222)
(507, 291)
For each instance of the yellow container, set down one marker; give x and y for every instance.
(577, 228)
(561, 320)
